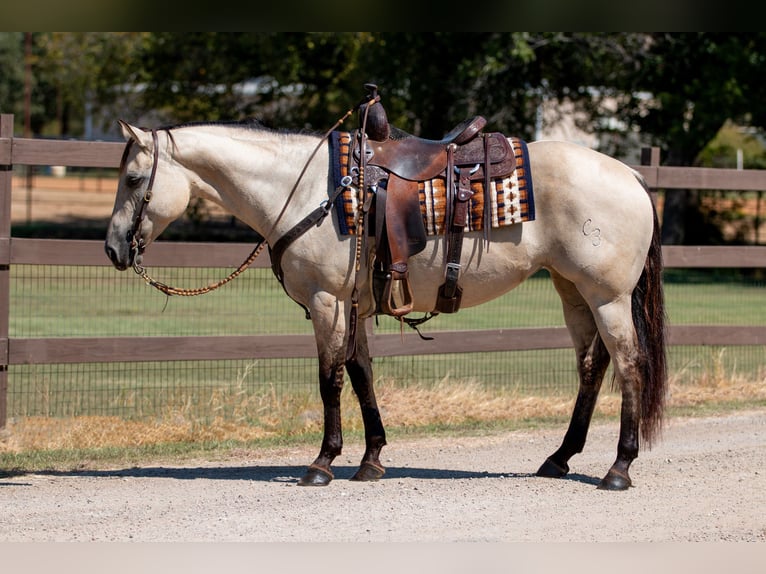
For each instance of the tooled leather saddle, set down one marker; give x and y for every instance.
(391, 163)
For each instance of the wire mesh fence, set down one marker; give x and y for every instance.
(91, 301)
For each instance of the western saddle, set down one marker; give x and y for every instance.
(389, 170)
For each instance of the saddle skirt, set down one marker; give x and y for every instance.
(512, 196)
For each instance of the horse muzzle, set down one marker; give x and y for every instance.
(123, 255)
(121, 263)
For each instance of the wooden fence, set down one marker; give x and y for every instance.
(14, 251)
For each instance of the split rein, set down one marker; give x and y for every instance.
(137, 245)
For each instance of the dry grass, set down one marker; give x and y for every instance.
(446, 403)
(716, 385)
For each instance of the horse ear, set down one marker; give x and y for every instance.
(138, 135)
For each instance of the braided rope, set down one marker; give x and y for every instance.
(168, 290)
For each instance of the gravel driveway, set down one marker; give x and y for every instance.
(704, 481)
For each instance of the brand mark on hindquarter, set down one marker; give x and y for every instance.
(589, 230)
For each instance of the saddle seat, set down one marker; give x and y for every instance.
(419, 159)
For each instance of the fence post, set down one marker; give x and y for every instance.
(651, 156)
(6, 180)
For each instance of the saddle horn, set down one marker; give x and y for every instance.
(377, 127)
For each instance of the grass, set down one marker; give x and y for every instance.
(52, 301)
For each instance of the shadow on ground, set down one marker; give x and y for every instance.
(289, 474)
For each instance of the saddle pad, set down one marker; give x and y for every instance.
(512, 197)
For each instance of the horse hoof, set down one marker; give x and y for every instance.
(369, 472)
(615, 481)
(316, 476)
(550, 469)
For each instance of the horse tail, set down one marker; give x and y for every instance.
(649, 318)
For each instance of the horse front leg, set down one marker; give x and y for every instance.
(330, 387)
(360, 371)
(327, 315)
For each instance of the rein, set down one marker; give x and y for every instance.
(168, 290)
(138, 247)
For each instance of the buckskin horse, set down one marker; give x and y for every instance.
(594, 228)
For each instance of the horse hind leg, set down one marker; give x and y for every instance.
(360, 372)
(633, 329)
(592, 362)
(616, 324)
(591, 366)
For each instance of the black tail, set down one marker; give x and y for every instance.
(649, 321)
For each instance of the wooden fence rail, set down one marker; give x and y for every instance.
(16, 251)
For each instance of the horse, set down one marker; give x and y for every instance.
(595, 231)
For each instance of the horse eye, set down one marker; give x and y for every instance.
(133, 180)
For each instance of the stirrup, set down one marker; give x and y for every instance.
(388, 304)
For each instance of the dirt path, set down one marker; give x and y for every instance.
(706, 481)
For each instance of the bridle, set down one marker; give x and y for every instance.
(137, 245)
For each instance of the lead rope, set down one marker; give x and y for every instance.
(169, 290)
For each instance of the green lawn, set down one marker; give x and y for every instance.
(97, 301)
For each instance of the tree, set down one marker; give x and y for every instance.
(74, 76)
(12, 73)
(296, 79)
(675, 90)
(82, 73)
(428, 80)
(696, 82)
(432, 80)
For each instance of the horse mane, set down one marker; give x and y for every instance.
(253, 124)
(250, 124)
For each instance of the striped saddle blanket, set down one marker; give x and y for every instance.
(512, 196)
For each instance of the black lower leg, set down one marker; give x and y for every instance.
(330, 387)
(591, 369)
(618, 477)
(557, 465)
(360, 372)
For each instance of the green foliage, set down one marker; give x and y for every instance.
(721, 151)
(697, 81)
(72, 74)
(12, 73)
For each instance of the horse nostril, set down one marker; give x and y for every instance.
(113, 257)
(111, 253)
